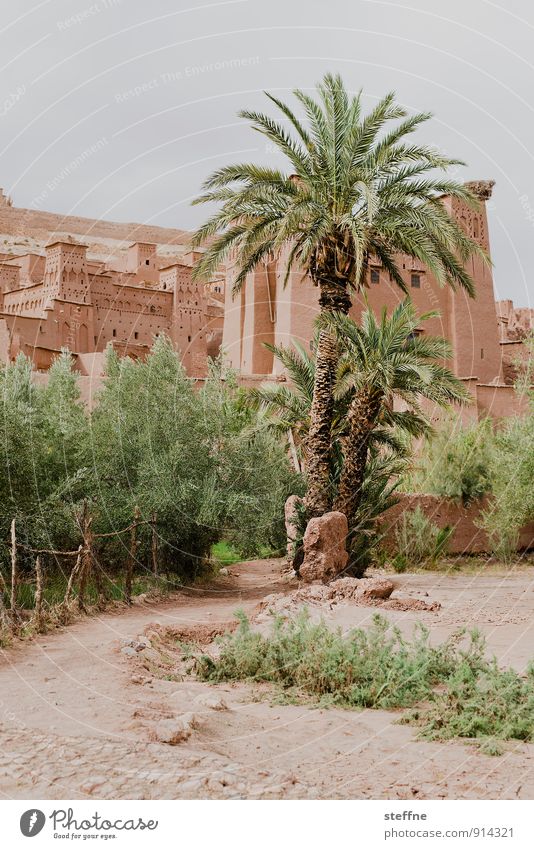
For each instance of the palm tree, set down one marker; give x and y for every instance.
(355, 189)
(286, 411)
(287, 407)
(382, 361)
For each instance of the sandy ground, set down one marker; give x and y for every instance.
(77, 718)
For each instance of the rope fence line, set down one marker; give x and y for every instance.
(86, 564)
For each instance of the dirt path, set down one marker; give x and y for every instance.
(73, 724)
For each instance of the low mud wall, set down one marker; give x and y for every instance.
(467, 537)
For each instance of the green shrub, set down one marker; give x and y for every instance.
(481, 702)
(192, 456)
(512, 474)
(418, 540)
(455, 462)
(466, 463)
(453, 690)
(374, 668)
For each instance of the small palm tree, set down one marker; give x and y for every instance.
(287, 408)
(381, 361)
(354, 190)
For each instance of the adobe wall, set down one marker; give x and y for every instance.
(83, 311)
(188, 328)
(234, 313)
(259, 319)
(467, 538)
(474, 324)
(469, 324)
(499, 402)
(128, 313)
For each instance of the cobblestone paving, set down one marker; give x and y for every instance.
(34, 765)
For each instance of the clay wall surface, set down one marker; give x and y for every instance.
(32, 268)
(9, 278)
(234, 312)
(469, 324)
(84, 306)
(467, 537)
(258, 325)
(499, 402)
(515, 323)
(128, 313)
(141, 260)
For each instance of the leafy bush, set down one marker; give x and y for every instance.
(459, 692)
(512, 473)
(374, 668)
(45, 454)
(455, 462)
(418, 540)
(194, 457)
(481, 701)
(466, 463)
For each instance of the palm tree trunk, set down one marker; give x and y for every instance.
(360, 420)
(334, 298)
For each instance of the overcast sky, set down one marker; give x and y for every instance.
(120, 109)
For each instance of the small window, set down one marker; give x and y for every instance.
(147, 262)
(188, 338)
(114, 332)
(136, 335)
(482, 353)
(416, 281)
(375, 275)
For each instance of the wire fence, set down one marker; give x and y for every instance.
(85, 566)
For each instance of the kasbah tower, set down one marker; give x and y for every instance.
(82, 284)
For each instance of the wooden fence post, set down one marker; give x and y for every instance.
(14, 568)
(87, 555)
(38, 593)
(99, 581)
(4, 618)
(154, 545)
(73, 575)
(131, 558)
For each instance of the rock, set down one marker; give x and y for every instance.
(176, 730)
(140, 599)
(213, 702)
(140, 679)
(129, 651)
(137, 643)
(325, 554)
(96, 782)
(194, 720)
(215, 785)
(150, 654)
(192, 786)
(368, 588)
(291, 516)
(172, 731)
(224, 572)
